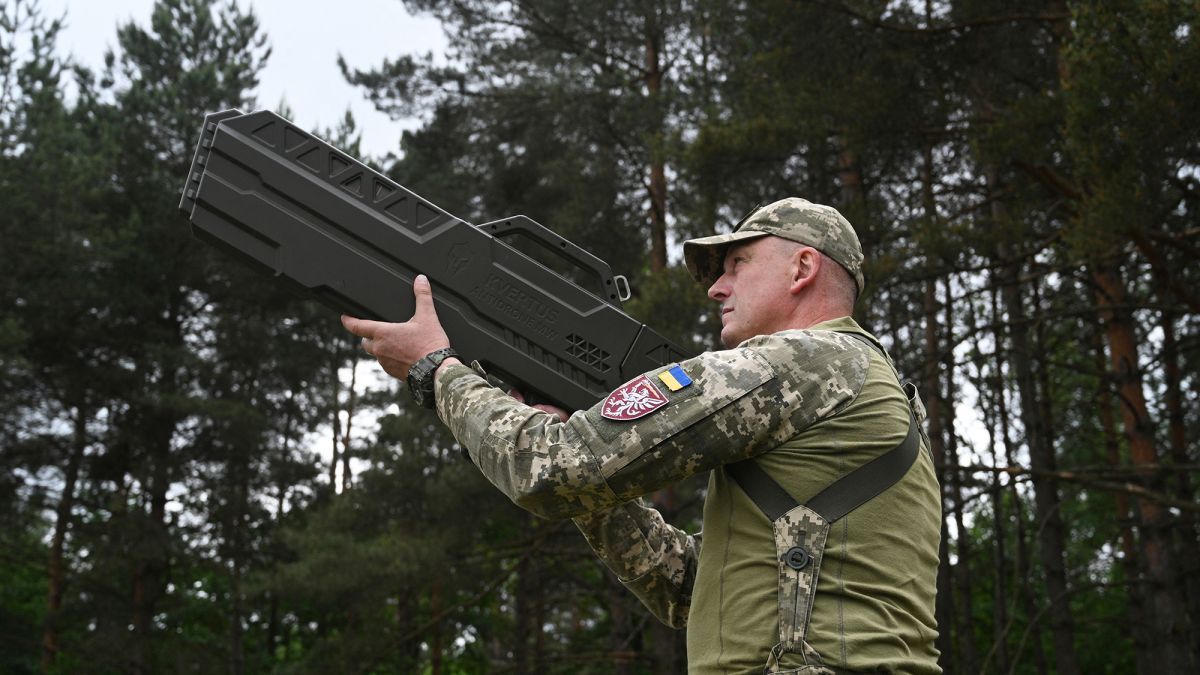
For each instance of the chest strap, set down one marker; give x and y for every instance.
(843, 495)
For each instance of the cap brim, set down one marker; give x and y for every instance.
(705, 257)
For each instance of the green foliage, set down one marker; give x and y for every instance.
(169, 414)
(1128, 125)
(22, 595)
(677, 307)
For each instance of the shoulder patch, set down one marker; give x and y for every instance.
(675, 378)
(632, 400)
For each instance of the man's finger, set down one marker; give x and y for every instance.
(423, 294)
(364, 328)
(561, 414)
(366, 345)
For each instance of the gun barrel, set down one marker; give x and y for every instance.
(295, 207)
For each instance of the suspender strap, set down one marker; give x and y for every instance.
(869, 480)
(843, 495)
(767, 495)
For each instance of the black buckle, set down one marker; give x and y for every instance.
(796, 558)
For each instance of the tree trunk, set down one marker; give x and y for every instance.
(1187, 537)
(272, 636)
(849, 176)
(350, 405)
(853, 195)
(1041, 449)
(963, 578)
(932, 389)
(1046, 497)
(237, 655)
(944, 605)
(667, 648)
(1112, 446)
(990, 399)
(526, 615)
(409, 647)
(539, 619)
(56, 567)
(1165, 611)
(238, 472)
(149, 577)
(658, 176)
(1000, 593)
(1022, 563)
(436, 647)
(337, 424)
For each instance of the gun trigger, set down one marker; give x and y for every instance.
(623, 292)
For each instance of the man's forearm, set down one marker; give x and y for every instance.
(651, 558)
(540, 463)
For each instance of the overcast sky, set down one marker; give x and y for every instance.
(306, 37)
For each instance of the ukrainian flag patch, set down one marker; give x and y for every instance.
(675, 378)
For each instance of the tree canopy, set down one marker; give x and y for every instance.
(198, 469)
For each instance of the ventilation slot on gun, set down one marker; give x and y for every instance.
(588, 353)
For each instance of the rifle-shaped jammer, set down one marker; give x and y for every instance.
(290, 203)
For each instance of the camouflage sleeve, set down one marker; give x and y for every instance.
(740, 402)
(654, 560)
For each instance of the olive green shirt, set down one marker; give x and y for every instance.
(811, 405)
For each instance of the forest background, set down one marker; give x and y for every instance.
(182, 484)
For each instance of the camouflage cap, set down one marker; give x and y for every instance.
(815, 225)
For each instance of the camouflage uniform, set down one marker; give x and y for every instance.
(810, 405)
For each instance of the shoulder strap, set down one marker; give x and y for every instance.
(768, 495)
(843, 495)
(869, 480)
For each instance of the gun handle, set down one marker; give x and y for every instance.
(563, 249)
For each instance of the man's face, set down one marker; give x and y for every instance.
(753, 289)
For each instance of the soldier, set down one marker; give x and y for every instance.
(799, 570)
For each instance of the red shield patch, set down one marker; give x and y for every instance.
(636, 398)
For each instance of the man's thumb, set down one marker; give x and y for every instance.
(423, 294)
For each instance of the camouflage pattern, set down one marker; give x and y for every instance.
(654, 560)
(804, 528)
(742, 402)
(812, 661)
(762, 396)
(815, 225)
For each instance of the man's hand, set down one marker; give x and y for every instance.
(544, 407)
(397, 346)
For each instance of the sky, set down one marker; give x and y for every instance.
(306, 37)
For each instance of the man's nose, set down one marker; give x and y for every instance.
(719, 289)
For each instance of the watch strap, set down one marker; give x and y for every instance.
(420, 376)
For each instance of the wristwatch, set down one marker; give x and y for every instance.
(420, 376)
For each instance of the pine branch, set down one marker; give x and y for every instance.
(1084, 477)
(960, 27)
(1160, 268)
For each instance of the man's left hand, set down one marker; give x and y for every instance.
(397, 346)
(558, 412)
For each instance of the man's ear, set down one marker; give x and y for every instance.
(805, 266)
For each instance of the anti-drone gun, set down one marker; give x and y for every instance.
(294, 206)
